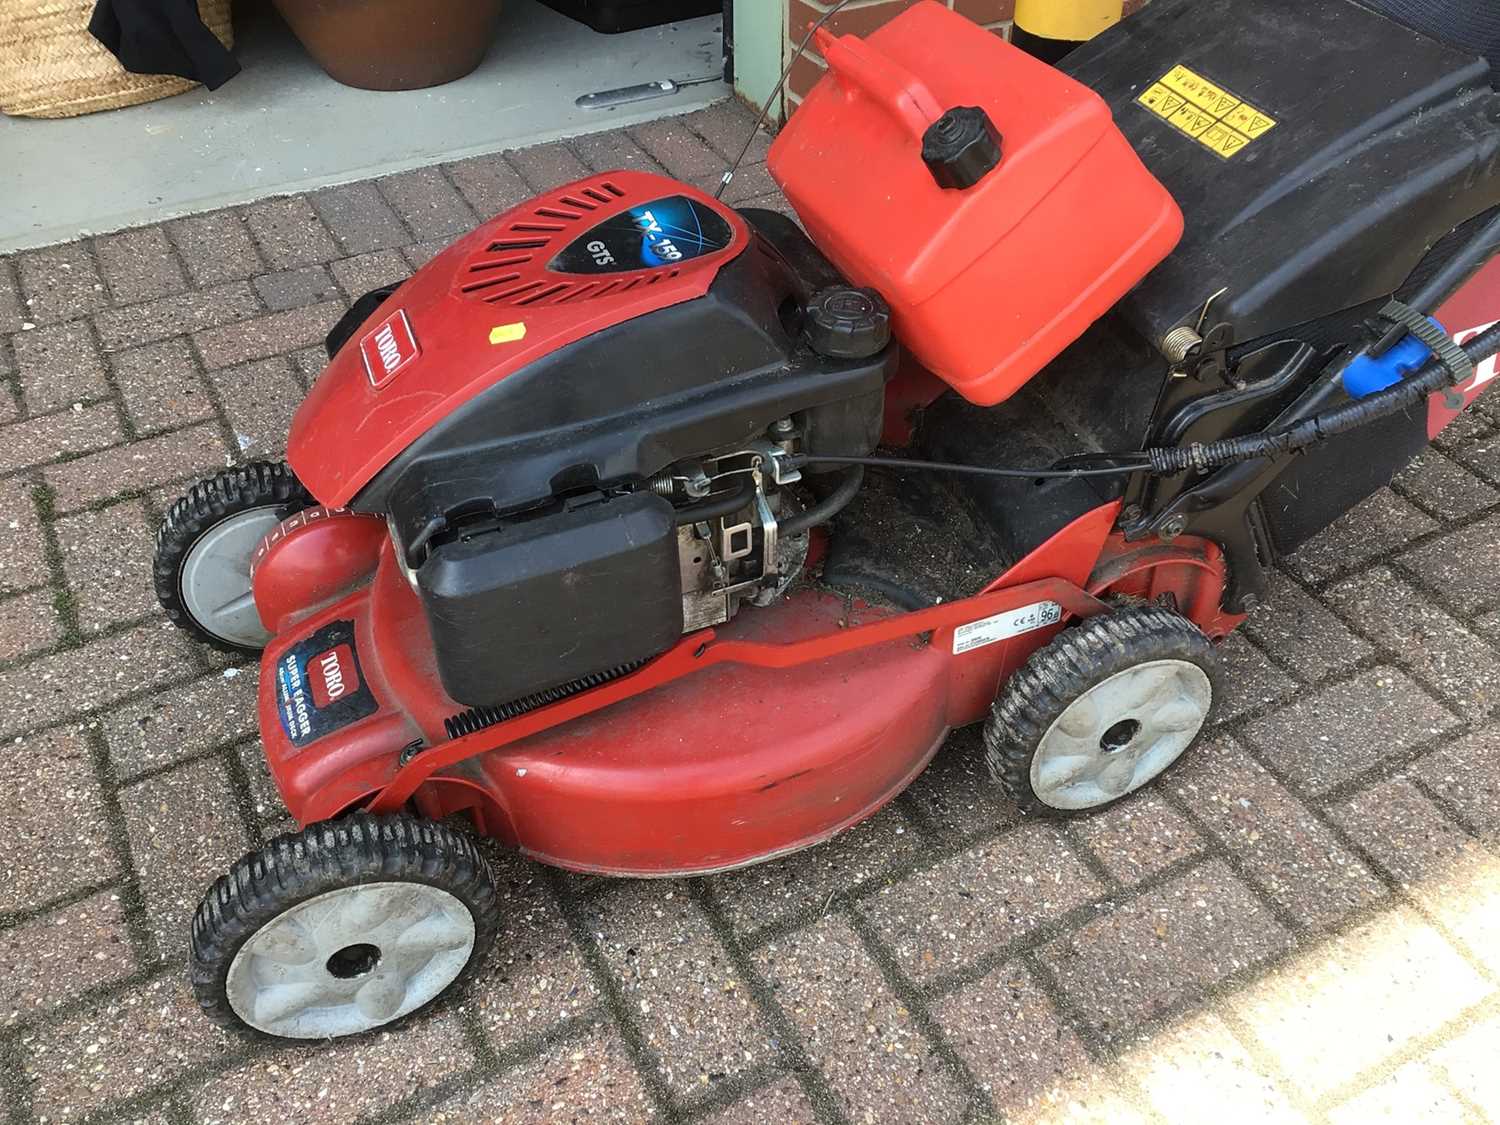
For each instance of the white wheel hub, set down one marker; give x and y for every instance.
(215, 577)
(350, 960)
(1120, 734)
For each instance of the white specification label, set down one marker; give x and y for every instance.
(1003, 626)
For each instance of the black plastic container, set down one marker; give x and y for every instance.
(611, 16)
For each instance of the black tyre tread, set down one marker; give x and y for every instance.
(1072, 662)
(256, 485)
(327, 856)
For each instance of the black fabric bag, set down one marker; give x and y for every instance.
(1469, 25)
(163, 37)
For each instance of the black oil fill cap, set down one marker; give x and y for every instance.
(961, 147)
(847, 323)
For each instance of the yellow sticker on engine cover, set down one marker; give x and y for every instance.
(1219, 120)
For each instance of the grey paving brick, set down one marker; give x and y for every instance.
(1481, 452)
(360, 218)
(161, 385)
(1468, 1061)
(138, 265)
(216, 247)
(10, 390)
(725, 126)
(59, 283)
(606, 152)
(856, 1030)
(1292, 855)
(265, 800)
(1303, 633)
(58, 366)
(1445, 488)
(1330, 736)
(1468, 428)
(53, 808)
(943, 918)
(174, 316)
(1140, 836)
(259, 399)
(956, 796)
(55, 687)
(535, 976)
(358, 275)
(489, 183)
(1200, 1063)
(181, 722)
(1250, 681)
(678, 149)
(545, 167)
(11, 316)
(291, 289)
(265, 336)
(1139, 962)
(106, 558)
(1414, 1092)
(184, 833)
(584, 1079)
(107, 1053)
(308, 363)
(692, 1007)
(63, 433)
(431, 206)
(751, 184)
(1457, 565)
(1408, 980)
(1466, 774)
(289, 233)
(140, 465)
(1449, 873)
(419, 254)
(768, 893)
(23, 554)
(28, 623)
(781, 1101)
(332, 1083)
(1380, 524)
(56, 956)
(1015, 1043)
(1411, 629)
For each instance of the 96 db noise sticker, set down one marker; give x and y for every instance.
(1003, 626)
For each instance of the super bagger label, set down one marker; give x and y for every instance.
(1217, 119)
(319, 687)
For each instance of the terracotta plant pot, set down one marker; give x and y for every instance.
(393, 44)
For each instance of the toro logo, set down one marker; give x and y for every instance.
(388, 347)
(333, 675)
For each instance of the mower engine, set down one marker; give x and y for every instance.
(550, 472)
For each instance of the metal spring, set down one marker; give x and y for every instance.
(477, 718)
(663, 485)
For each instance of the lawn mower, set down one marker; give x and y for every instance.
(655, 537)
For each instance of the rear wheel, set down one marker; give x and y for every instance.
(204, 548)
(1102, 710)
(342, 928)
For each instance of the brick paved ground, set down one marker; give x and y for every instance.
(1299, 924)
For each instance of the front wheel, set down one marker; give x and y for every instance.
(1101, 710)
(204, 548)
(342, 928)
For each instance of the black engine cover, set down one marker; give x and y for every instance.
(621, 405)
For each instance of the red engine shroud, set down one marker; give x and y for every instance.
(480, 311)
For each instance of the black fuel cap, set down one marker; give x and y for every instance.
(846, 323)
(961, 147)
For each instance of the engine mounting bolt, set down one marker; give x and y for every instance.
(783, 427)
(1173, 527)
(1130, 513)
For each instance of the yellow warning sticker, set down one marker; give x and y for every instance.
(1221, 121)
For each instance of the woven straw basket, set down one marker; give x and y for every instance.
(50, 66)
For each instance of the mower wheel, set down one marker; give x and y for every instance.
(205, 544)
(344, 927)
(1101, 710)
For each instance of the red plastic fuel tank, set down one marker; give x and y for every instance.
(988, 283)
